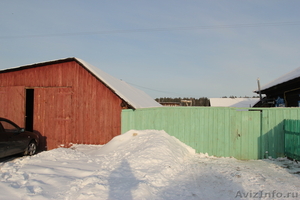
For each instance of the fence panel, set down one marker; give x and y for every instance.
(292, 138)
(216, 131)
(241, 133)
(273, 136)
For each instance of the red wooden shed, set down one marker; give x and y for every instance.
(67, 101)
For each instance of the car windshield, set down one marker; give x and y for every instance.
(8, 127)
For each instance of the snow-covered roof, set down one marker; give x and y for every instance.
(233, 102)
(287, 77)
(131, 95)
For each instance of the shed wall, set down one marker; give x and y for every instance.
(12, 104)
(76, 106)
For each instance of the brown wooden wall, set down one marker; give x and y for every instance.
(70, 104)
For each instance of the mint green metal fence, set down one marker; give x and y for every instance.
(292, 138)
(223, 132)
(273, 134)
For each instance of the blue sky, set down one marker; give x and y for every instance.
(166, 48)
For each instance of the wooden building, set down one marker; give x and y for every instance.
(67, 101)
(282, 92)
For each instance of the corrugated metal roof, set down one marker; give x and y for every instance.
(131, 95)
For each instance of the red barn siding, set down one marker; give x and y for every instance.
(12, 101)
(70, 104)
(97, 107)
(53, 115)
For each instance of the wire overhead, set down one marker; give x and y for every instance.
(249, 25)
(165, 92)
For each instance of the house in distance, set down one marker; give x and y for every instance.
(68, 101)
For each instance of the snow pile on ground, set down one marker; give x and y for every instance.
(145, 164)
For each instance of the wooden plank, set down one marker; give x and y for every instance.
(53, 116)
(12, 104)
(98, 110)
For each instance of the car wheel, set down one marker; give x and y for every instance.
(31, 149)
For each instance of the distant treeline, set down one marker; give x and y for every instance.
(203, 101)
(240, 97)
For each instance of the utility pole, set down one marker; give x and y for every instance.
(259, 90)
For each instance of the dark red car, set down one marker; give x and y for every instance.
(15, 140)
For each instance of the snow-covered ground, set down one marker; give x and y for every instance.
(146, 164)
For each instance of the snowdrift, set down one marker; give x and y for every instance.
(130, 165)
(146, 164)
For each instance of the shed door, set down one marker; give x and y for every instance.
(53, 116)
(12, 104)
